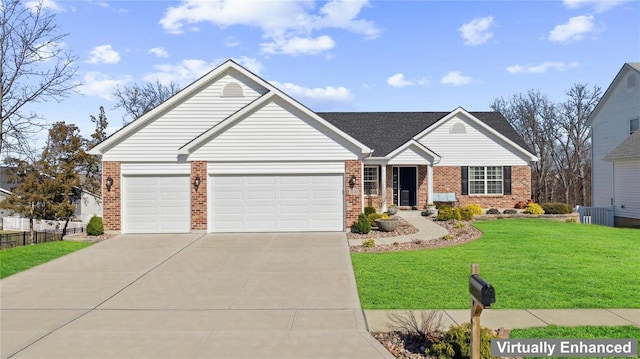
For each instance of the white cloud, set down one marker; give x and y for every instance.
(598, 6)
(542, 68)
(298, 45)
(398, 80)
(455, 78)
(477, 31)
(573, 30)
(283, 23)
(101, 85)
(230, 41)
(189, 70)
(104, 54)
(43, 4)
(159, 52)
(318, 94)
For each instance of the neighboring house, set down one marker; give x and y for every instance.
(615, 169)
(232, 153)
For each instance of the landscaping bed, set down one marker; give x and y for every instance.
(405, 228)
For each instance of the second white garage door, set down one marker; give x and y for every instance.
(156, 204)
(261, 203)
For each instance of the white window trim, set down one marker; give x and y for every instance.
(486, 181)
(376, 181)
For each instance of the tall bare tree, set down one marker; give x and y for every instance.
(35, 68)
(136, 100)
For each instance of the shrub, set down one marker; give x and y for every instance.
(466, 214)
(368, 210)
(94, 227)
(571, 220)
(509, 211)
(557, 208)
(460, 225)
(447, 237)
(533, 208)
(447, 213)
(456, 343)
(519, 205)
(475, 209)
(369, 243)
(373, 216)
(493, 211)
(426, 329)
(363, 226)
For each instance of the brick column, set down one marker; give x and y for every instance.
(422, 187)
(111, 201)
(199, 197)
(353, 196)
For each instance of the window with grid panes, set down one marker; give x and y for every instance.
(371, 180)
(485, 180)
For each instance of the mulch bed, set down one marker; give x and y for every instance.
(404, 228)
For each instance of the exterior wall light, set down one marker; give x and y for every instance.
(109, 183)
(352, 181)
(196, 183)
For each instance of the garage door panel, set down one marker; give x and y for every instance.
(264, 203)
(156, 204)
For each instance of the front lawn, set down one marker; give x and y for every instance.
(532, 263)
(581, 332)
(17, 259)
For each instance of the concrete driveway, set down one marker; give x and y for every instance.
(190, 296)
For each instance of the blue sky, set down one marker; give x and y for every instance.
(348, 55)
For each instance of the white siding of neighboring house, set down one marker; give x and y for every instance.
(609, 128)
(274, 132)
(627, 188)
(475, 146)
(160, 139)
(409, 156)
(88, 206)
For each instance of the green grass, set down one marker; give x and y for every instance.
(582, 332)
(17, 259)
(532, 263)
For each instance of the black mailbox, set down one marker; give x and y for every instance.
(482, 291)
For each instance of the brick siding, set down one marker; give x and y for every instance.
(448, 179)
(199, 197)
(353, 196)
(111, 201)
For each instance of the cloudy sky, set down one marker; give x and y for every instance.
(352, 55)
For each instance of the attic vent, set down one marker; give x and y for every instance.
(232, 89)
(458, 128)
(631, 81)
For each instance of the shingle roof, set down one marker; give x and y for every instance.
(635, 65)
(386, 131)
(629, 148)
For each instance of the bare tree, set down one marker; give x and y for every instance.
(35, 68)
(136, 100)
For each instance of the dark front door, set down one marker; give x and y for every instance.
(407, 182)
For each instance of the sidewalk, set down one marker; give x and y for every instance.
(427, 230)
(378, 320)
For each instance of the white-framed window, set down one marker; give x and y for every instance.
(371, 180)
(485, 180)
(633, 125)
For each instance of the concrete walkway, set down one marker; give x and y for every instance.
(378, 320)
(190, 296)
(427, 230)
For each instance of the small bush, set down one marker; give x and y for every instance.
(368, 210)
(94, 227)
(460, 225)
(557, 208)
(509, 211)
(466, 214)
(447, 237)
(369, 243)
(533, 208)
(447, 213)
(456, 343)
(519, 205)
(426, 329)
(493, 211)
(363, 226)
(571, 220)
(474, 208)
(373, 216)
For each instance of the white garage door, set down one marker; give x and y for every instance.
(276, 203)
(156, 204)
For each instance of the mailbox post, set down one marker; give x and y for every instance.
(482, 296)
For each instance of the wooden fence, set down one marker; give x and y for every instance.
(603, 216)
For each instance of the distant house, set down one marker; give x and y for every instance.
(616, 147)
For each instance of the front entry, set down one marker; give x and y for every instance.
(405, 186)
